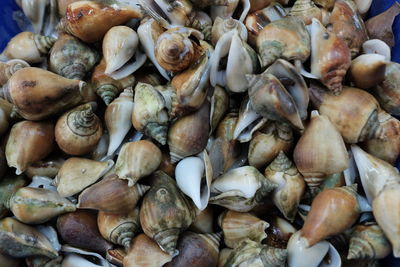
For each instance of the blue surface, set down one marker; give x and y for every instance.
(9, 28)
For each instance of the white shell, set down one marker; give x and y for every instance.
(376, 46)
(118, 119)
(119, 45)
(363, 6)
(374, 173)
(227, 11)
(299, 255)
(74, 260)
(189, 174)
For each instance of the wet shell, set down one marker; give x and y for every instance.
(237, 226)
(37, 139)
(354, 112)
(111, 195)
(71, 58)
(118, 117)
(197, 250)
(150, 114)
(368, 242)
(89, 21)
(38, 205)
(330, 57)
(136, 160)
(332, 211)
(291, 185)
(79, 229)
(7, 69)
(119, 228)
(188, 135)
(37, 93)
(20, 240)
(144, 252)
(79, 130)
(76, 174)
(316, 159)
(29, 47)
(165, 213)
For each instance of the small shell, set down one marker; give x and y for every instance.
(9, 184)
(291, 185)
(165, 212)
(71, 58)
(79, 229)
(306, 10)
(188, 135)
(376, 46)
(279, 232)
(226, 11)
(78, 173)
(250, 253)
(118, 117)
(240, 189)
(237, 226)
(219, 106)
(368, 70)
(29, 47)
(37, 139)
(222, 26)
(119, 45)
(330, 57)
(111, 195)
(38, 205)
(388, 92)
(119, 228)
(201, 21)
(7, 69)
(136, 160)
(79, 130)
(368, 242)
(27, 239)
(144, 252)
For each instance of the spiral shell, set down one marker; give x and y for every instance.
(7, 69)
(222, 26)
(306, 10)
(79, 130)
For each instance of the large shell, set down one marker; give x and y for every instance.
(144, 252)
(150, 114)
(136, 160)
(368, 242)
(330, 57)
(89, 21)
(188, 135)
(268, 142)
(332, 211)
(240, 189)
(118, 117)
(165, 212)
(368, 70)
(314, 158)
(20, 240)
(37, 93)
(38, 205)
(193, 176)
(175, 51)
(284, 38)
(29, 47)
(29, 142)
(354, 112)
(76, 174)
(7, 69)
(348, 25)
(290, 182)
(197, 250)
(119, 228)
(111, 195)
(79, 229)
(238, 226)
(79, 130)
(252, 253)
(71, 58)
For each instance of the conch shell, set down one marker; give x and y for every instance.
(240, 189)
(136, 160)
(28, 46)
(285, 38)
(37, 139)
(165, 213)
(291, 185)
(330, 57)
(118, 117)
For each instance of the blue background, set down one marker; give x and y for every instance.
(9, 28)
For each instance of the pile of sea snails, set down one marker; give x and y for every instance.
(143, 133)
